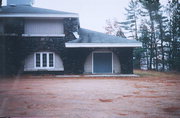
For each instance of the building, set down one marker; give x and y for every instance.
(49, 41)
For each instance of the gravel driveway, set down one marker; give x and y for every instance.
(48, 96)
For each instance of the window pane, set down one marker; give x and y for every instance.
(37, 60)
(51, 60)
(44, 60)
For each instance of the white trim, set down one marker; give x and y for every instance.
(44, 69)
(112, 63)
(40, 15)
(101, 52)
(43, 35)
(54, 60)
(41, 60)
(93, 45)
(35, 60)
(92, 62)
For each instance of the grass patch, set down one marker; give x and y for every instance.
(148, 73)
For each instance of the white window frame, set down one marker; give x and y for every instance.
(41, 60)
(101, 52)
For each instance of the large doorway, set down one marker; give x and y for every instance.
(102, 62)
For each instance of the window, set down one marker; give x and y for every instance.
(51, 60)
(44, 60)
(38, 60)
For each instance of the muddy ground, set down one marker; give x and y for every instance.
(152, 95)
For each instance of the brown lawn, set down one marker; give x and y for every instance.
(152, 95)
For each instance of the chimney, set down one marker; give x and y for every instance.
(20, 2)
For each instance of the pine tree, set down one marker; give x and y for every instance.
(144, 37)
(174, 34)
(152, 6)
(161, 31)
(130, 24)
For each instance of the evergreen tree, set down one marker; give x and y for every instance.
(161, 29)
(159, 32)
(144, 37)
(152, 6)
(131, 21)
(174, 34)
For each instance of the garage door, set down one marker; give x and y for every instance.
(102, 63)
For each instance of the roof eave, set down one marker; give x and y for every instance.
(39, 15)
(101, 45)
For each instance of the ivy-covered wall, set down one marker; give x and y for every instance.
(14, 49)
(126, 59)
(11, 46)
(75, 59)
(10, 55)
(70, 25)
(13, 26)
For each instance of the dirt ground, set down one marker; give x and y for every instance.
(152, 95)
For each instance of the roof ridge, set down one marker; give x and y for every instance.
(103, 33)
(31, 9)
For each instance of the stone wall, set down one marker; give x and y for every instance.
(11, 55)
(14, 49)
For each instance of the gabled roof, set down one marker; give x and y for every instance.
(89, 38)
(29, 11)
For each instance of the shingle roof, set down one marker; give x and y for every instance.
(89, 36)
(25, 9)
(91, 39)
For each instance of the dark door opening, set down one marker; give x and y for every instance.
(102, 62)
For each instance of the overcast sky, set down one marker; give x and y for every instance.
(92, 13)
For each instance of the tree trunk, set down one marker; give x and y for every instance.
(162, 46)
(151, 40)
(156, 55)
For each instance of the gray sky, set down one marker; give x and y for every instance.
(92, 13)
